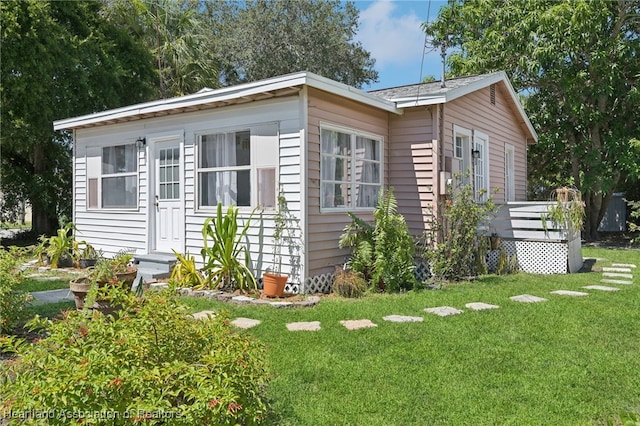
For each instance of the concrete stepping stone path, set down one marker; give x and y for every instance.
(570, 293)
(444, 311)
(245, 323)
(357, 324)
(527, 298)
(304, 326)
(605, 281)
(203, 315)
(480, 306)
(623, 265)
(615, 269)
(601, 287)
(402, 318)
(617, 275)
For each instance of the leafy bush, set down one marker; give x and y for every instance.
(186, 272)
(152, 363)
(384, 252)
(12, 300)
(348, 283)
(635, 215)
(222, 265)
(460, 253)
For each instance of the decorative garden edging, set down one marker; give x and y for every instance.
(242, 300)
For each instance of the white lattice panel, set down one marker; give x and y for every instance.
(539, 257)
(319, 283)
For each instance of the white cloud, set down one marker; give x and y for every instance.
(392, 35)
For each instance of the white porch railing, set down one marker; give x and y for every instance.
(541, 246)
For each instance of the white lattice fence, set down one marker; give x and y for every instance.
(538, 257)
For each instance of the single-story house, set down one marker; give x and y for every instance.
(146, 176)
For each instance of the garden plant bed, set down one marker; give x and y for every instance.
(240, 298)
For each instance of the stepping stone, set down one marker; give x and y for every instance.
(527, 298)
(623, 265)
(33, 275)
(601, 287)
(616, 282)
(357, 324)
(617, 275)
(241, 322)
(444, 311)
(569, 293)
(203, 315)
(304, 326)
(158, 286)
(402, 318)
(480, 306)
(608, 269)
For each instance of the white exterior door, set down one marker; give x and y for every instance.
(168, 199)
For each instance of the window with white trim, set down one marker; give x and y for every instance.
(238, 167)
(351, 169)
(462, 153)
(112, 177)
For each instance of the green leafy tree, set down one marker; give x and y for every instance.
(265, 38)
(59, 59)
(579, 63)
(177, 35)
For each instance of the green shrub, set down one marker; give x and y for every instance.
(12, 301)
(149, 362)
(383, 253)
(634, 214)
(456, 257)
(348, 283)
(222, 246)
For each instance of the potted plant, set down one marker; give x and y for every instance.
(116, 271)
(495, 240)
(274, 282)
(58, 248)
(87, 256)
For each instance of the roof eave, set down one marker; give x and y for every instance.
(226, 94)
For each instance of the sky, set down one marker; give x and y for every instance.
(390, 31)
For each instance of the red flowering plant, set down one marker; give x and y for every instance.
(152, 363)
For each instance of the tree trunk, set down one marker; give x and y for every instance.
(44, 216)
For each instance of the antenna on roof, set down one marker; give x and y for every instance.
(443, 55)
(435, 43)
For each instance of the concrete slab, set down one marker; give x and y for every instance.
(444, 311)
(357, 324)
(304, 326)
(569, 293)
(242, 322)
(601, 287)
(204, 315)
(402, 318)
(610, 269)
(527, 298)
(623, 265)
(617, 275)
(52, 296)
(616, 282)
(480, 306)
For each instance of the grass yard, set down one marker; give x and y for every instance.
(567, 361)
(31, 284)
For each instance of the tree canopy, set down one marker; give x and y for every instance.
(59, 59)
(67, 58)
(260, 39)
(578, 63)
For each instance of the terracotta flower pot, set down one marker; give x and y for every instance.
(79, 287)
(273, 284)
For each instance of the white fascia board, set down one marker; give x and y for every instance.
(349, 92)
(421, 101)
(228, 93)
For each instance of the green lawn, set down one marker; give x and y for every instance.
(566, 361)
(30, 284)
